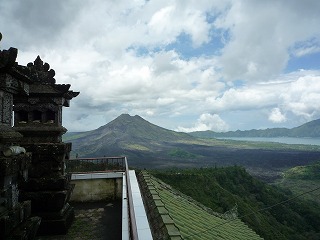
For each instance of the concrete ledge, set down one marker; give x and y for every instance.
(83, 176)
(125, 217)
(143, 228)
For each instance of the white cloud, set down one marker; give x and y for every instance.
(248, 98)
(148, 85)
(164, 62)
(207, 122)
(120, 55)
(261, 34)
(276, 116)
(302, 96)
(310, 46)
(306, 50)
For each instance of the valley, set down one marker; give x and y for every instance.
(151, 147)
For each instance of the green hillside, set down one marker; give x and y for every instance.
(301, 178)
(222, 188)
(308, 172)
(310, 129)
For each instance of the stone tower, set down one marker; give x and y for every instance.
(38, 117)
(15, 215)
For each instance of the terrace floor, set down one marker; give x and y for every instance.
(93, 220)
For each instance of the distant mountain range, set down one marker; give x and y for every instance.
(310, 129)
(149, 146)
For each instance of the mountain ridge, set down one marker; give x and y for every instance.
(309, 129)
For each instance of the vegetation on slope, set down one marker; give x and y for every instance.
(310, 129)
(301, 178)
(223, 188)
(180, 153)
(308, 172)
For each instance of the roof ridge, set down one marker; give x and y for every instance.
(162, 224)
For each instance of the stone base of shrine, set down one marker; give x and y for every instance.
(56, 223)
(17, 223)
(27, 230)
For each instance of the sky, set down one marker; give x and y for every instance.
(219, 65)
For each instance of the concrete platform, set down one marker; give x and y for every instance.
(93, 220)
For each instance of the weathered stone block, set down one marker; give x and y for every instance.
(53, 224)
(47, 152)
(46, 170)
(55, 215)
(27, 230)
(46, 201)
(45, 183)
(13, 165)
(10, 219)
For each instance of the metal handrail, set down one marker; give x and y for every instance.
(97, 158)
(133, 225)
(99, 164)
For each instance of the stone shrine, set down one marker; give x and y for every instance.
(15, 216)
(38, 117)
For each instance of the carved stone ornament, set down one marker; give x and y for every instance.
(33, 100)
(6, 108)
(41, 73)
(7, 59)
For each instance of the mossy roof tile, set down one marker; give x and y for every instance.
(184, 217)
(167, 219)
(172, 230)
(159, 203)
(162, 210)
(153, 192)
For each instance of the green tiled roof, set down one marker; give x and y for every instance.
(175, 216)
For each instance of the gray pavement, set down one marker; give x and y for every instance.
(93, 221)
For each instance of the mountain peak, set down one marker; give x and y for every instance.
(138, 127)
(127, 130)
(124, 115)
(128, 116)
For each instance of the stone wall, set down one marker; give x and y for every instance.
(87, 190)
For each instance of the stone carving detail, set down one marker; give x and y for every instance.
(33, 100)
(41, 73)
(43, 123)
(8, 58)
(15, 195)
(6, 101)
(58, 101)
